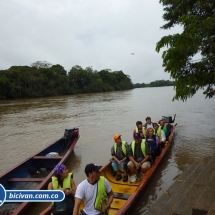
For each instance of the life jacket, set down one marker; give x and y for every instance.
(101, 195)
(164, 129)
(123, 147)
(152, 142)
(143, 147)
(143, 130)
(158, 133)
(66, 182)
(65, 206)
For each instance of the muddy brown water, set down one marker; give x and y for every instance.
(27, 126)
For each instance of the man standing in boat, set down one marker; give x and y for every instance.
(139, 155)
(95, 191)
(119, 158)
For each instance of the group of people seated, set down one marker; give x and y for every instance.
(137, 157)
(134, 159)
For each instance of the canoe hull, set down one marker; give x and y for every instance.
(36, 171)
(127, 194)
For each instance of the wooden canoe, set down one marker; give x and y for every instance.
(35, 172)
(126, 194)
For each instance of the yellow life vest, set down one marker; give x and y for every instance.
(101, 196)
(158, 131)
(143, 147)
(123, 147)
(66, 182)
(63, 205)
(143, 130)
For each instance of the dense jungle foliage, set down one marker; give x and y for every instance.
(158, 83)
(43, 79)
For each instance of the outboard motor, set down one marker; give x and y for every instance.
(168, 119)
(71, 133)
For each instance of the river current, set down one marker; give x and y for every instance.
(27, 126)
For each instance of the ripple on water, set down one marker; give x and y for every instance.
(29, 125)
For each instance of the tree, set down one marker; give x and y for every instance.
(61, 79)
(41, 80)
(197, 17)
(4, 84)
(41, 64)
(157, 83)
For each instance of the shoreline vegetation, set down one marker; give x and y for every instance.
(158, 83)
(43, 79)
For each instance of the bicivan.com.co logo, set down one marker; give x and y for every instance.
(30, 195)
(2, 195)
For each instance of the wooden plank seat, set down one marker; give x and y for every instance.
(121, 195)
(26, 179)
(47, 157)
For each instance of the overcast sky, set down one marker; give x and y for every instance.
(97, 33)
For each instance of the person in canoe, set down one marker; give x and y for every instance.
(153, 142)
(140, 129)
(165, 128)
(119, 158)
(95, 191)
(139, 156)
(160, 133)
(149, 123)
(63, 180)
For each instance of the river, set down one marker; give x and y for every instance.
(28, 125)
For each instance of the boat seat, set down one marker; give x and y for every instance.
(48, 157)
(121, 195)
(26, 179)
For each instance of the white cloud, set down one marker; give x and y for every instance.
(97, 33)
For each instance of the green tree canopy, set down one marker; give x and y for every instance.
(190, 72)
(44, 79)
(157, 83)
(41, 64)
